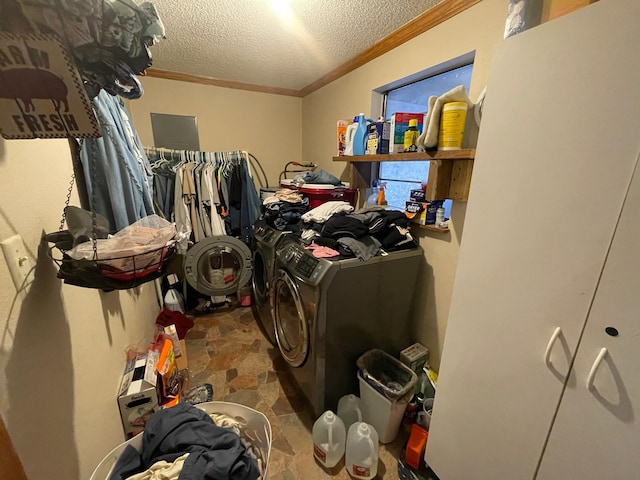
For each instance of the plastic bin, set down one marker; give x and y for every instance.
(254, 420)
(386, 386)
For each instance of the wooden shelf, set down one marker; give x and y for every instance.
(449, 172)
(465, 154)
(432, 228)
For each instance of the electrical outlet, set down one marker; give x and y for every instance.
(18, 259)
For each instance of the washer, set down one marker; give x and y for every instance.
(268, 239)
(327, 313)
(218, 265)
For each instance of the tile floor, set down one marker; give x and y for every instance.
(227, 350)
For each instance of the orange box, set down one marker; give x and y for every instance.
(416, 445)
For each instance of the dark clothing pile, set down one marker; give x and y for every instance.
(215, 453)
(363, 234)
(285, 215)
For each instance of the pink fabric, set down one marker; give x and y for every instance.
(322, 252)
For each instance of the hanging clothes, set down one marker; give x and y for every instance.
(117, 172)
(213, 193)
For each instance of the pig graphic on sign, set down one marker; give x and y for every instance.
(25, 84)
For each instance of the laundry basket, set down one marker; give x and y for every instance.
(253, 420)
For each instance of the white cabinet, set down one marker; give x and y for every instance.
(596, 433)
(557, 149)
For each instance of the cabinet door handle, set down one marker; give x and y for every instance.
(594, 368)
(547, 353)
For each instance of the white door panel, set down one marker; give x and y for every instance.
(597, 431)
(541, 215)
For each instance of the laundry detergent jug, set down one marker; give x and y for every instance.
(328, 439)
(348, 137)
(360, 135)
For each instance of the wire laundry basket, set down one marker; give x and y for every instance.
(103, 274)
(253, 421)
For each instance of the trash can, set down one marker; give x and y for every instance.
(253, 420)
(386, 386)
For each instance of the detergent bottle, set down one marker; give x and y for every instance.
(349, 135)
(360, 135)
(329, 439)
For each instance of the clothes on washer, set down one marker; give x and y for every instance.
(363, 248)
(116, 170)
(370, 230)
(214, 452)
(338, 226)
(320, 251)
(285, 215)
(284, 195)
(322, 212)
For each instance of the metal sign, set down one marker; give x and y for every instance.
(41, 93)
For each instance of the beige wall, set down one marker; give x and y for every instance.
(266, 125)
(477, 29)
(62, 347)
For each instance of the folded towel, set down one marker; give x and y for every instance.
(429, 137)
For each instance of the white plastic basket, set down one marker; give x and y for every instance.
(252, 419)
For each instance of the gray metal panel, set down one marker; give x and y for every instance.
(179, 132)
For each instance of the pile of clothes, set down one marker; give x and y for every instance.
(185, 442)
(333, 229)
(284, 210)
(363, 234)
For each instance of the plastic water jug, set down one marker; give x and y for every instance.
(359, 137)
(349, 410)
(362, 451)
(328, 439)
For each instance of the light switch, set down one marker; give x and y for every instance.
(18, 259)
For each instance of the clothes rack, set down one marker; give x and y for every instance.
(206, 193)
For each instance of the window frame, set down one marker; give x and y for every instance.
(379, 95)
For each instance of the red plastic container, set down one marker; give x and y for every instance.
(325, 193)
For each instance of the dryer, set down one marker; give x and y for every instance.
(327, 313)
(268, 239)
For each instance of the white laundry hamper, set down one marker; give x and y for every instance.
(252, 419)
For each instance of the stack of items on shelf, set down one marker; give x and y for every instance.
(424, 212)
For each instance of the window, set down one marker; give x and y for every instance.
(401, 177)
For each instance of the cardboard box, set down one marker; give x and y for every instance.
(422, 213)
(378, 138)
(137, 397)
(342, 133)
(399, 125)
(417, 195)
(415, 357)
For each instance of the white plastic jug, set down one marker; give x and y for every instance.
(348, 138)
(362, 451)
(349, 410)
(328, 439)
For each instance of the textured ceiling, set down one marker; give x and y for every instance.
(247, 41)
